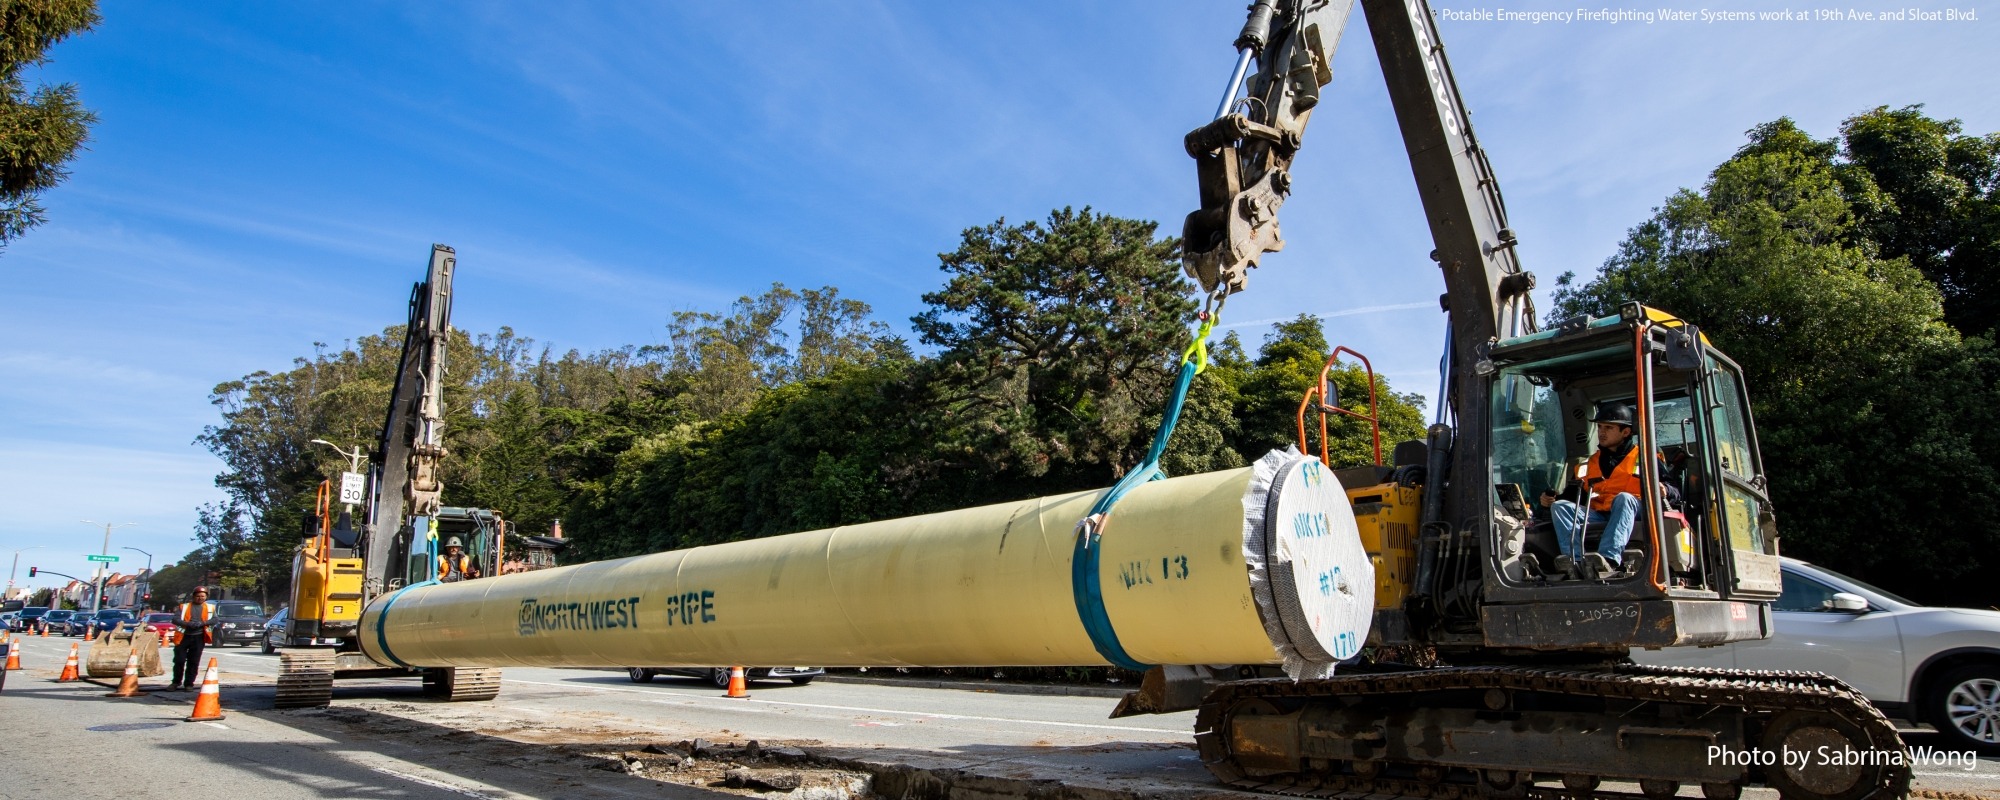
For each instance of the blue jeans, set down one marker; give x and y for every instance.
(1617, 527)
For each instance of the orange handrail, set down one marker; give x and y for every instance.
(1319, 390)
(1641, 403)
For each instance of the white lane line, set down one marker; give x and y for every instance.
(419, 779)
(1967, 774)
(857, 709)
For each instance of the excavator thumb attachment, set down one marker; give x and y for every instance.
(1242, 158)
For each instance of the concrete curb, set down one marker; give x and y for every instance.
(997, 687)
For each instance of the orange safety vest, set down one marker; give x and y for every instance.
(464, 566)
(1622, 480)
(206, 610)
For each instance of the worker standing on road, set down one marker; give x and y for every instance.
(195, 621)
(455, 565)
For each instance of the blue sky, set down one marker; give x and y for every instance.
(267, 176)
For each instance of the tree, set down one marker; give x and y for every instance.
(1864, 397)
(1924, 191)
(41, 129)
(1058, 340)
(721, 362)
(1287, 365)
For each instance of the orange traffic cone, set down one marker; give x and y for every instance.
(45, 631)
(167, 639)
(736, 687)
(14, 655)
(69, 667)
(128, 686)
(208, 705)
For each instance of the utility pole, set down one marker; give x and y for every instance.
(14, 569)
(97, 601)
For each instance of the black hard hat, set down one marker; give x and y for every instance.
(1615, 413)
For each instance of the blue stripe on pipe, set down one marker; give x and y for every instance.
(1087, 590)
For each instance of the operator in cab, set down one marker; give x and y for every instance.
(455, 565)
(1612, 479)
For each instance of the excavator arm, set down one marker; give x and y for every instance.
(404, 467)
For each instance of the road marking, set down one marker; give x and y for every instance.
(857, 709)
(418, 779)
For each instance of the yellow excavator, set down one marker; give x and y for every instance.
(339, 567)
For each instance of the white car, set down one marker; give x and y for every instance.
(1918, 663)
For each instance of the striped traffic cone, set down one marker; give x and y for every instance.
(69, 667)
(208, 705)
(128, 686)
(736, 683)
(45, 630)
(14, 655)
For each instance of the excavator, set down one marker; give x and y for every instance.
(1434, 642)
(1540, 698)
(338, 569)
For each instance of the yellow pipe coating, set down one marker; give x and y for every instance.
(984, 586)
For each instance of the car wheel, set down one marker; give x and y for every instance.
(639, 675)
(803, 680)
(1965, 707)
(720, 677)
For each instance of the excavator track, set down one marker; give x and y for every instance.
(460, 684)
(305, 678)
(1338, 737)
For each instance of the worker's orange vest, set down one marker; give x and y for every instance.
(206, 637)
(1623, 480)
(464, 566)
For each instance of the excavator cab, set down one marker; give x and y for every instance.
(1703, 552)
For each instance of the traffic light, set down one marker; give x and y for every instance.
(32, 571)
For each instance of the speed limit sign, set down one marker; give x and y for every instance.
(350, 487)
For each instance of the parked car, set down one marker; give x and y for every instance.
(7, 618)
(57, 620)
(242, 622)
(720, 675)
(108, 618)
(274, 630)
(29, 618)
(159, 621)
(77, 622)
(1922, 664)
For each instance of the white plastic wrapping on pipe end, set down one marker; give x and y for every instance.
(1312, 580)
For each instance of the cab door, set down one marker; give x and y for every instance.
(1743, 523)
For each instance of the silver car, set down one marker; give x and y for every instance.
(720, 675)
(1919, 663)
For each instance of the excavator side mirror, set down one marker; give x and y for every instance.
(309, 527)
(1329, 395)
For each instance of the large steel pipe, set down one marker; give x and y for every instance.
(1259, 565)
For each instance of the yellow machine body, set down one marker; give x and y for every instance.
(981, 586)
(326, 591)
(1387, 515)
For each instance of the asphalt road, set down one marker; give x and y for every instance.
(383, 739)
